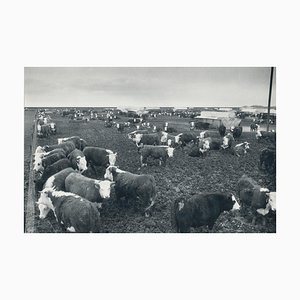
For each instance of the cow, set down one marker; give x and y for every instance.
(194, 151)
(192, 125)
(228, 141)
(141, 189)
(68, 147)
(51, 159)
(73, 213)
(254, 127)
(203, 134)
(171, 140)
(100, 156)
(252, 196)
(202, 125)
(41, 177)
(222, 130)
(201, 209)
(267, 159)
(156, 152)
(120, 127)
(147, 139)
(241, 149)
(88, 188)
(78, 161)
(210, 144)
(52, 128)
(132, 135)
(76, 140)
(44, 131)
(184, 138)
(265, 135)
(236, 131)
(57, 181)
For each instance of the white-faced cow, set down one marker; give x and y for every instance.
(140, 189)
(78, 160)
(91, 189)
(100, 156)
(252, 195)
(41, 177)
(73, 213)
(156, 152)
(202, 209)
(57, 181)
(68, 147)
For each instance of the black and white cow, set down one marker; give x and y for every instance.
(267, 159)
(202, 209)
(141, 189)
(265, 135)
(222, 130)
(147, 139)
(51, 159)
(241, 149)
(254, 127)
(236, 131)
(99, 156)
(252, 195)
(52, 127)
(185, 138)
(57, 181)
(91, 189)
(43, 130)
(41, 177)
(68, 147)
(72, 212)
(120, 127)
(228, 141)
(156, 152)
(78, 142)
(78, 160)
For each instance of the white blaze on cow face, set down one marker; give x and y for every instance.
(258, 134)
(202, 134)
(39, 149)
(137, 126)
(81, 163)
(104, 188)
(59, 141)
(108, 174)
(170, 151)
(37, 165)
(112, 157)
(44, 204)
(177, 138)
(138, 137)
(236, 205)
(164, 137)
(118, 125)
(52, 125)
(39, 127)
(169, 143)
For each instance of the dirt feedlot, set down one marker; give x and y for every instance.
(182, 176)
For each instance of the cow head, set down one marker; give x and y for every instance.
(138, 138)
(104, 188)
(170, 151)
(236, 205)
(38, 165)
(177, 138)
(44, 204)
(52, 125)
(112, 157)
(258, 134)
(81, 163)
(202, 134)
(108, 174)
(164, 137)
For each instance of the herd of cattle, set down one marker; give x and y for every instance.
(61, 177)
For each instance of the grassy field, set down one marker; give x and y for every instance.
(183, 176)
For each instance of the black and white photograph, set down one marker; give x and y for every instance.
(159, 168)
(149, 149)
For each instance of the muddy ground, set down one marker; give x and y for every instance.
(183, 176)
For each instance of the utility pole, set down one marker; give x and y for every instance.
(270, 96)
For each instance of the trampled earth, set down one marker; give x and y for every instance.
(183, 176)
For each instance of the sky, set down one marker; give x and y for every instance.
(147, 86)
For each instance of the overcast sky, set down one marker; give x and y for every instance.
(143, 86)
